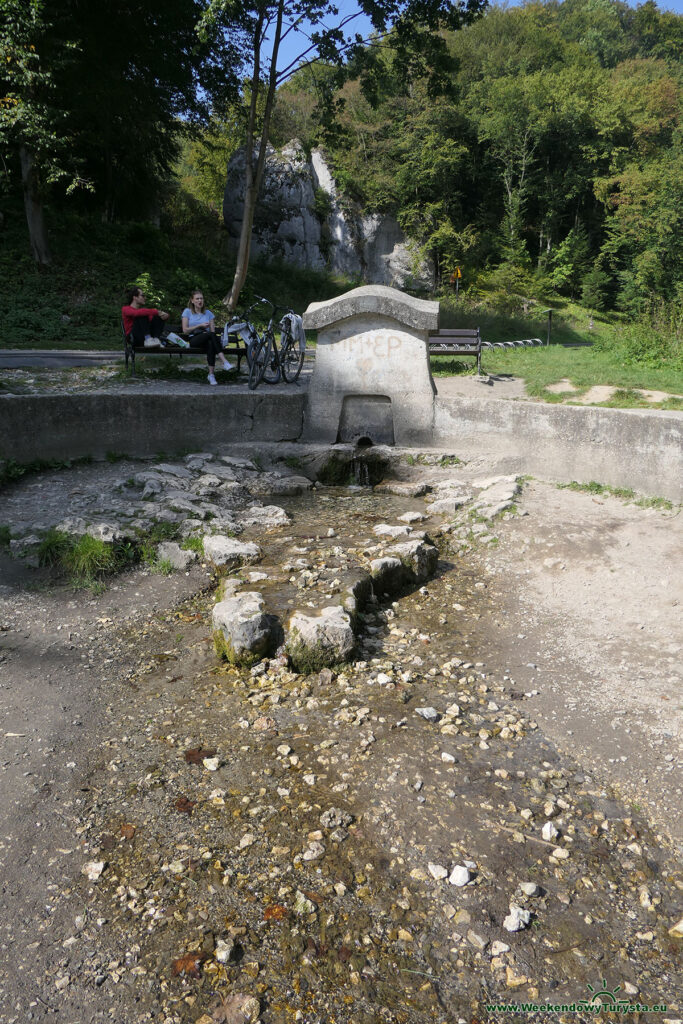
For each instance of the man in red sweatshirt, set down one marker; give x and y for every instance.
(145, 325)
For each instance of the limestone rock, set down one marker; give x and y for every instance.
(228, 552)
(317, 641)
(289, 226)
(418, 557)
(243, 632)
(388, 574)
(265, 516)
(177, 556)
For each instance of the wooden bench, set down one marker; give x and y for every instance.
(462, 341)
(238, 349)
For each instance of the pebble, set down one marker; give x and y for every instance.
(459, 876)
(549, 832)
(517, 919)
(429, 714)
(93, 869)
(437, 871)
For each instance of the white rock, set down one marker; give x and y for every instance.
(230, 552)
(517, 919)
(224, 950)
(93, 869)
(314, 851)
(529, 888)
(437, 871)
(499, 947)
(549, 832)
(211, 763)
(460, 875)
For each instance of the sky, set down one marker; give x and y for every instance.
(297, 42)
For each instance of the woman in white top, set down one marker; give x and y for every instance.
(199, 325)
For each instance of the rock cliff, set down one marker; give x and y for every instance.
(302, 219)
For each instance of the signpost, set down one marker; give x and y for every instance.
(456, 277)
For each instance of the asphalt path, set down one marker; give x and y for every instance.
(36, 357)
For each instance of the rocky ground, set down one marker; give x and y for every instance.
(442, 825)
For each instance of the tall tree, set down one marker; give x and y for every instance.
(30, 111)
(95, 94)
(262, 28)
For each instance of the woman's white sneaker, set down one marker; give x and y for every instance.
(211, 379)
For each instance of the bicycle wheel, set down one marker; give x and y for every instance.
(271, 373)
(291, 359)
(260, 356)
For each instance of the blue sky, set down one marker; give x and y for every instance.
(297, 42)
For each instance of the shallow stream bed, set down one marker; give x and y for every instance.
(293, 838)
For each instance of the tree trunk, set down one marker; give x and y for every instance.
(254, 176)
(34, 208)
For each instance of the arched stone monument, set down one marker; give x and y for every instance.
(371, 377)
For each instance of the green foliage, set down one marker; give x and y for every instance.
(625, 493)
(5, 536)
(194, 544)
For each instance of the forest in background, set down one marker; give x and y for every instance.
(549, 163)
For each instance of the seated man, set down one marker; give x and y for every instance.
(145, 324)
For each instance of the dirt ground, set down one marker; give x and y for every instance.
(572, 614)
(592, 591)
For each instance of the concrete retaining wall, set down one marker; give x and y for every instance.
(69, 426)
(619, 447)
(623, 448)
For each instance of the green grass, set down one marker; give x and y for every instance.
(76, 302)
(194, 544)
(10, 470)
(625, 493)
(584, 367)
(613, 353)
(5, 536)
(88, 562)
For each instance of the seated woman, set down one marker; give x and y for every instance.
(199, 325)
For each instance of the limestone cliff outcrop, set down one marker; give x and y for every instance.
(301, 218)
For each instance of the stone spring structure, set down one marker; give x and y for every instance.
(372, 378)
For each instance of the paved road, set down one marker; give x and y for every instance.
(36, 357)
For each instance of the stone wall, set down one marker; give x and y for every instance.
(302, 218)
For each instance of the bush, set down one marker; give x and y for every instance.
(644, 345)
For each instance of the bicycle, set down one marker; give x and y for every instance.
(270, 363)
(242, 327)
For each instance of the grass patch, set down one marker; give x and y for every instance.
(11, 470)
(611, 352)
(626, 494)
(193, 544)
(584, 367)
(88, 561)
(84, 560)
(75, 303)
(5, 536)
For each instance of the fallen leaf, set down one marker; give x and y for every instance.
(127, 831)
(189, 965)
(195, 755)
(184, 805)
(275, 913)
